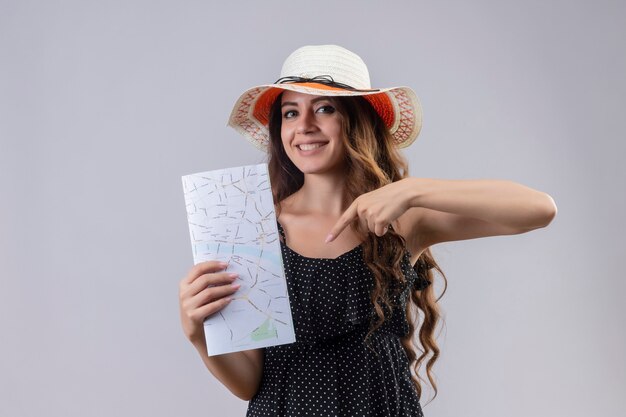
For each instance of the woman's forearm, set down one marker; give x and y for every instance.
(499, 201)
(236, 371)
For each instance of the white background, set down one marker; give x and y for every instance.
(105, 105)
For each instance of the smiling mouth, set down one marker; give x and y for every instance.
(309, 146)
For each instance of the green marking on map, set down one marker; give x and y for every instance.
(264, 331)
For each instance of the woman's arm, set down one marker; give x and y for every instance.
(204, 291)
(447, 210)
(240, 372)
(431, 211)
(497, 201)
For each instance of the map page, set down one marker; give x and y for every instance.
(231, 218)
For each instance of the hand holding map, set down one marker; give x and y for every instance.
(231, 218)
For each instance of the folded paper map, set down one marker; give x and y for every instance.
(231, 218)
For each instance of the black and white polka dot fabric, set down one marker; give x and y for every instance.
(330, 370)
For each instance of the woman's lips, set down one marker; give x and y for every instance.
(310, 146)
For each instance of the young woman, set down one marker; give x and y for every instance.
(355, 237)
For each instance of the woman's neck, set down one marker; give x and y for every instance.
(320, 194)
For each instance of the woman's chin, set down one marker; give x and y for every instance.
(321, 170)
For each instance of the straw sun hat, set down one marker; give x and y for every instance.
(327, 70)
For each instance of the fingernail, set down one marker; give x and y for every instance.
(233, 275)
(236, 286)
(328, 238)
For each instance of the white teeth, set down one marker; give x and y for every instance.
(310, 146)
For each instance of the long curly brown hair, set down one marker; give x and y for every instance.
(372, 161)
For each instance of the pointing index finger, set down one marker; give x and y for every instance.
(341, 224)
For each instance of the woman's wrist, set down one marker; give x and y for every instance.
(415, 190)
(200, 344)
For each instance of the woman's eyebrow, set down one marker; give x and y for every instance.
(293, 103)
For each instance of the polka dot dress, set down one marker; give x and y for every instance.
(330, 370)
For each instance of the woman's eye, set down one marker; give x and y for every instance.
(326, 109)
(289, 113)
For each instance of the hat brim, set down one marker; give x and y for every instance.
(399, 108)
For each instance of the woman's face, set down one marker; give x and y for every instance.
(311, 133)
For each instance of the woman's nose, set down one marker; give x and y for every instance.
(306, 123)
